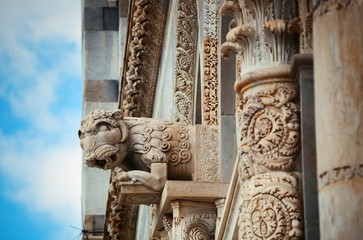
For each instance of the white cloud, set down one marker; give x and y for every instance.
(41, 19)
(44, 173)
(43, 162)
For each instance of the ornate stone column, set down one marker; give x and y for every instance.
(338, 61)
(267, 118)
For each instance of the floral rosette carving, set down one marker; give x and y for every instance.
(271, 208)
(270, 131)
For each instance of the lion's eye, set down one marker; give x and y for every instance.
(103, 127)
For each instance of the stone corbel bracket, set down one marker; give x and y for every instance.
(149, 151)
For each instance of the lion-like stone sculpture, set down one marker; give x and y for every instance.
(147, 150)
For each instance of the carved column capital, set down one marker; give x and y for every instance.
(193, 220)
(259, 32)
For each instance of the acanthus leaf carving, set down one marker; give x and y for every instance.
(257, 28)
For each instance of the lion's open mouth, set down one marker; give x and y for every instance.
(102, 155)
(102, 163)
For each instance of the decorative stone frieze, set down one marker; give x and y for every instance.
(268, 118)
(270, 134)
(185, 55)
(146, 31)
(180, 198)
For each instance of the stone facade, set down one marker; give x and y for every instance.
(265, 145)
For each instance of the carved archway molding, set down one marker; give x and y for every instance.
(142, 56)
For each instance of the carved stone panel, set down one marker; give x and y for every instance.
(186, 40)
(210, 63)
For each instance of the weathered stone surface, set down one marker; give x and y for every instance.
(267, 119)
(202, 193)
(338, 60)
(227, 145)
(302, 69)
(93, 18)
(101, 91)
(101, 55)
(95, 3)
(91, 106)
(95, 191)
(110, 18)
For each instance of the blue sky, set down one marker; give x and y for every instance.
(40, 103)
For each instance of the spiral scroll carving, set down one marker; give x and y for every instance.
(198, 233)
(270, 131)
(162, 142)
(198, 226)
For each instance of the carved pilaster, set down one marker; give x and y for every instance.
(210, 62)
(186, 41)
(268, 118)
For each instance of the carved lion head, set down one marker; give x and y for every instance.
(103, 137)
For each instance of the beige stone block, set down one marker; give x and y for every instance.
(341, 210)
(189, 191)
(339, 87)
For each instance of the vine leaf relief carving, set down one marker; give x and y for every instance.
(186, 38)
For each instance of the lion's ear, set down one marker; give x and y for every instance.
(118, 114)
(124, 130)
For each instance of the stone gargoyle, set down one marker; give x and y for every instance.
(149, 151)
